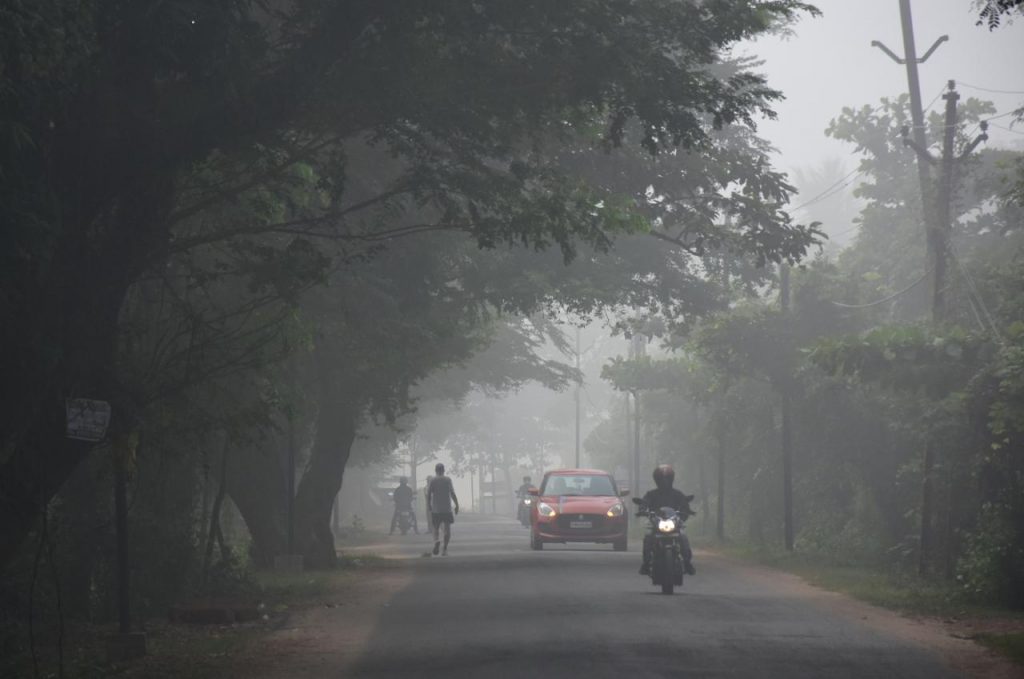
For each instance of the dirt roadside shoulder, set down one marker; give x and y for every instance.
(325, 638)
(951, 639)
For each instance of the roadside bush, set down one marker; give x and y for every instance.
(993, 561)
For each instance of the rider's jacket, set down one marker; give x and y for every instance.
(403, 498)
(523, 491)
(669, 497)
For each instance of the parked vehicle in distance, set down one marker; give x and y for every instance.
(578, 505)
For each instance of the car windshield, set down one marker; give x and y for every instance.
(578, 484)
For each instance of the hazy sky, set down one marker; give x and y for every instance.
(829, 63)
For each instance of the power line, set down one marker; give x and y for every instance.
(831, 190)
(972, 290)
(844, 232)
(889, 298)
(932, 102)
(987, 89)
(1008, 129)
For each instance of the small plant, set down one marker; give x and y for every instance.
(358, 527)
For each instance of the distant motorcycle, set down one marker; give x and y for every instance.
(523, 511)
(405, 520)
(667, 557)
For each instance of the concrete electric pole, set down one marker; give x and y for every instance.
(937, 211)
(920, 139)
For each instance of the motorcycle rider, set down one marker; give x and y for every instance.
(522, 493)
(403, 503)
(524, 490)
(664, 495)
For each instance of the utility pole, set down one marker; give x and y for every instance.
(628, 442)
(720, 425)
(291, 482)
(940, 236)
(577, 399)
(638, 352)
(787, 428)
(122, 454)
(940, 239)
(494, 489)
(720, 443)
(636, 443)
(920, 141)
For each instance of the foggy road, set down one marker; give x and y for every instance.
(494, 608)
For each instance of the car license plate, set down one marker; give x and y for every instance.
(581, 524)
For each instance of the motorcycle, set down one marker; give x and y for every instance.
(667, 557)
(523, 511)
(405, 520)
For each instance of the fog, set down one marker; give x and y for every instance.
(346, 338)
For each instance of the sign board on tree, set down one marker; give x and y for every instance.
(87, 419)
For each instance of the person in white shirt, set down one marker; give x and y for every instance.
(440, 499)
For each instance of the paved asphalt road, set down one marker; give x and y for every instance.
(493, 608)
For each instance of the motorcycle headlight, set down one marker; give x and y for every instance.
(544, 509)
(666, 525)
(527, 502)
(615, 510)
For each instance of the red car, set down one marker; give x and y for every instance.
(578, 505)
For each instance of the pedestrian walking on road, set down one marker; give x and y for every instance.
(440, 497)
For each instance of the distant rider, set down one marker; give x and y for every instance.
(403, 503)
(664, 495)
(440, 496)
(523, 492)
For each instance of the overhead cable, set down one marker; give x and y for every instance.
(833, 189)
(987, 89)
(886, 299)
(972, 290)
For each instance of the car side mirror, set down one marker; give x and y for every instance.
(623, 493)
(533, 491)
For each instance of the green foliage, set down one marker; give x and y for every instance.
(646, 373)
(994, 556)
(911, 358)
(1011, 645)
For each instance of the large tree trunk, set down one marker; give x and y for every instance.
(257, 488)
(83, 512)
(42, 458)
(68, 348)
(336, 425)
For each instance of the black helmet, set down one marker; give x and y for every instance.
(664, 476)
(526, 479)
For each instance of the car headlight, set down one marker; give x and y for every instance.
(544, 509)
(615, 510)
(666, 525)
(527, 502)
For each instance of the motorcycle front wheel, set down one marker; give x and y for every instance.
(667, 569)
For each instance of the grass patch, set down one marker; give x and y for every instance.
(897, 591)
(277, 588)
(1011, 645)
(361, 537)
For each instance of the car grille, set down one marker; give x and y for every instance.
(565, 523)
